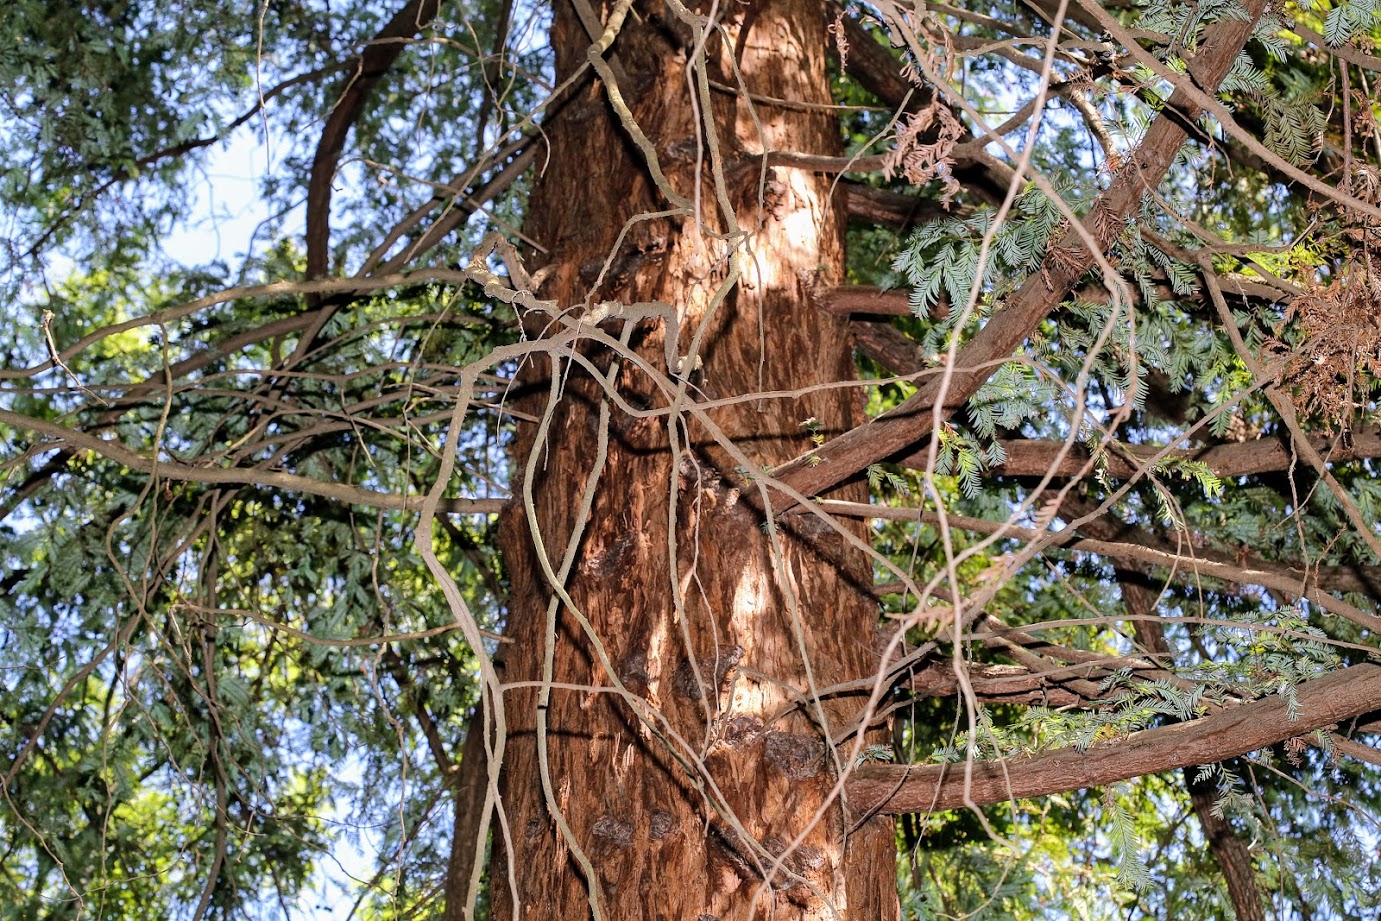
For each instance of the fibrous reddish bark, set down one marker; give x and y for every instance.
(692, 796)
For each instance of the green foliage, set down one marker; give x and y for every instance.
(202, 726)
(879, 475)
(1124, 841)
(943, 257)
(1348, 19)
(209, 663)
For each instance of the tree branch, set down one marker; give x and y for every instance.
(879, 206)
(248, 476)
(1346, 52)
(888, 346)
(374, 61)
(1015, 684)
(1036, 458)
(1142, 548)
(899, 789)
(1142, 545)
(1066, 262)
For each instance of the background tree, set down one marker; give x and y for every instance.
(985, 389)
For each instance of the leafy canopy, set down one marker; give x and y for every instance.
(229, 685)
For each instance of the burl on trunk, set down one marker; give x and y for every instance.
(694, 781)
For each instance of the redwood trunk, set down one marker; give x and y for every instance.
(721, 811)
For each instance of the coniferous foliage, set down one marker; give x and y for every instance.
(658, 457)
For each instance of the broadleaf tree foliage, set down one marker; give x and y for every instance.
(782, 459)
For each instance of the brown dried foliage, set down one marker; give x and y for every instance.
(925, 144)
(1337, 368)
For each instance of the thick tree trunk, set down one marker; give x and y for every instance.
(715, 803)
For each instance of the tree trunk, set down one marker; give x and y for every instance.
(1232, 853)
(469, 783)
(715, 802)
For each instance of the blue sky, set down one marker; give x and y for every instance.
(228, 207)
(225, 216)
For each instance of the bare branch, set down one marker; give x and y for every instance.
(1138, 547)
(246, 476)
